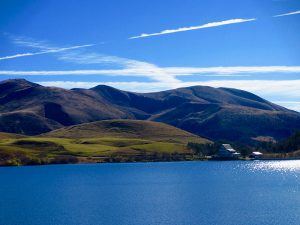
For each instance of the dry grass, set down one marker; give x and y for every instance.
(133, 129)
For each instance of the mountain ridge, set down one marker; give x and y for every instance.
(214, 113)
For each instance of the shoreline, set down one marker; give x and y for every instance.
(158, 161)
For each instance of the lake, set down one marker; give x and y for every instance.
(181, 193)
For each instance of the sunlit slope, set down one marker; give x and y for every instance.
(110, 140)
(127, 129)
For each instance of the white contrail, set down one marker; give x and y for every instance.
(183, 29)
(54, 50)
(288, 14)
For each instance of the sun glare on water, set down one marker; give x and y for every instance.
(282, 166)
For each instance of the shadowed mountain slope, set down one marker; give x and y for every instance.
(28, 108)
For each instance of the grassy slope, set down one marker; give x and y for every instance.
(119, 140)
(126, 129)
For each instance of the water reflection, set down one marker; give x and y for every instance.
(281, 166)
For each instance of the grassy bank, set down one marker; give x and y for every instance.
(40, 150)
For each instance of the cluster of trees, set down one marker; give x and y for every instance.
(21, 159)
(288, 145)
(203, 150)
(18, 159)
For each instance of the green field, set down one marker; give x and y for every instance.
(104, 141)
(39, 150)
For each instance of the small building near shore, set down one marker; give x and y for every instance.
(256, 155)
(228, 152)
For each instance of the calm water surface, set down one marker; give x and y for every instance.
(187, 193)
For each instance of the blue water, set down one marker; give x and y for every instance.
(187, 193)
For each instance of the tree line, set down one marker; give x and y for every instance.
(288, 145)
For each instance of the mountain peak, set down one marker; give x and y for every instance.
(17, 83)
(8, 87)
(104, 87)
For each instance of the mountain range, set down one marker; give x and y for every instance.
(218, 114)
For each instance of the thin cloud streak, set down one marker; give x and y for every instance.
(143, 69)
(128, 66)
(54, 50)
(183, 29)
(288, 14)
(182, 71)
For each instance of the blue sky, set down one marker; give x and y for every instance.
(144, 46)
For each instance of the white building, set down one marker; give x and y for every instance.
(256, 155)
(227, 152)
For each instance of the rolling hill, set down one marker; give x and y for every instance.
(102, 141)
(133, 129)
(219, 114)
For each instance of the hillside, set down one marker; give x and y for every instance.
(10, 136)
(103, 141)
(29, 108)
(219, 114)
(126, 129)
